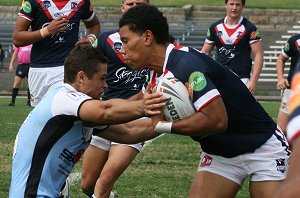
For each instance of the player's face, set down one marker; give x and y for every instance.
(131, 3)
(133, 48)
(234, 8)
(95, 86)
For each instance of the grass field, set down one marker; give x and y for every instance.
(287, 4)
(165, 169)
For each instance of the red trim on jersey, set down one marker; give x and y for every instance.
(60, 3)
(25, 16)
(178, 47)
(292, 138)
(59, 6)
(165, 72)
(239, 36)
(119, 54)
(209, 101)
(153, 80)
(231, 31)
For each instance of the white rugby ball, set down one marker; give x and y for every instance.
(179, 104)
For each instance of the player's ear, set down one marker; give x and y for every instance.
(148, 37)
(81, 76)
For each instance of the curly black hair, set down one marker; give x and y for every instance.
(146, 17)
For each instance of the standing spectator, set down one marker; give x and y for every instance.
(104, 161)
(237, 137)
(2, 55)
(235, 38)
(55, 28)
(23, 56)
(290, 50)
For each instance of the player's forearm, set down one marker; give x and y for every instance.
(23, 38)
(93, 26)
(120, 111)
(257, 67)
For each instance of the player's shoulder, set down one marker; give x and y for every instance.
(247, 23)
(214, 24)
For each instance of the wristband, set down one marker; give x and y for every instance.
(93, 40)
(163, 127)
(44, 32)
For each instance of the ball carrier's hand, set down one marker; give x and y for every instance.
(55, 27)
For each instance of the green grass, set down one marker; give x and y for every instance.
(287, 4)
(166, 168)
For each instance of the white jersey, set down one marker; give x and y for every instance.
(48, 144)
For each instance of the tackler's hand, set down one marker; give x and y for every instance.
(153, 102)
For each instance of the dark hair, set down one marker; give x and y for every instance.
(243, 2)
(146, 17)
(83, 58)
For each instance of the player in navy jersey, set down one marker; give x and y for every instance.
(235, 38)
(290, 50)
(55, 30)
(58, 130)
(237, 137)
(105, 161)
(290, 187)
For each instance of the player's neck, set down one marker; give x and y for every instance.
(158, 58)
(232, 20)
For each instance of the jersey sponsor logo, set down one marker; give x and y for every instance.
(197, 81)
(128, 76)
(208, 33)
(26, 7)
(117, 46)
(253, 35)
(286, 47)
(67, 156)
(280, 165)
(47, 4)
(206, 161)
(227, 52)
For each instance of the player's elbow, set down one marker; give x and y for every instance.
(220, 125)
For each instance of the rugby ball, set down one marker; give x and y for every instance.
(179, 104)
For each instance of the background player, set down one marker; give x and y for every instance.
(235, 38)
(290, 187)
(55, 28)
(57, 131)
(290, 50)
(23, 56)
(237, 137)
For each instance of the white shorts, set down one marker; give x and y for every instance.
(245, 80)
(105, 144)
(268, 162)
(40, 80)
(285, 99)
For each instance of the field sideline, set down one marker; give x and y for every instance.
(165, 169)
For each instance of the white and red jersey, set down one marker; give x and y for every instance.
(233, 44)
(52, 50)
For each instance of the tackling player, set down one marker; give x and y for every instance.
(58, 130)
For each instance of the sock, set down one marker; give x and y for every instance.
(28, 95)
(15, 92)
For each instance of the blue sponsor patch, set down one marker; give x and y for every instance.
(47, 4)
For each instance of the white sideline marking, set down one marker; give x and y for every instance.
(74, 177)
